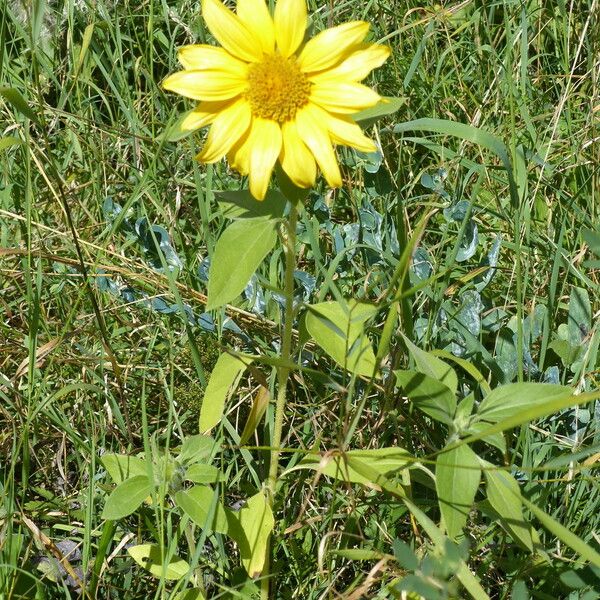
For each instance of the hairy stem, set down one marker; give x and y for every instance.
(283, 372)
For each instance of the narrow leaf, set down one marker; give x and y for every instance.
(259, 406)
(504, 495)
(382, 461)
(561, 532)
(457, 475)
(388, 105)
(508, 400)
(13, 97)
(223, 381)
(432, 366)
(428, 394)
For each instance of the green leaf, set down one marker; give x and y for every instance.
(526, 415)
(388, 105)
(9, 141)
(337, 465)
(405, 555)
(259, 407)
(150, 557)
(193, 594)
(496, 439)
(463, 574)
(127, 497)
(250, 528)
(433, 367)
(338, 328)
(196, 448)
(428, 394)
(238, 253)
(509, 400)
(241, 204)
(223, 381)
(457, 475)
(580, 316)
(199, 503)
(201, 473)
(13, 97)
(504, 495)
(121, 466)
(561, 532)
(470, 134)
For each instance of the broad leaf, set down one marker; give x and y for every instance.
(202, 505)
(428, 394)
(457, 475)
(202, 473)
(127, 497)
(504, 495)
(121, 466)
(338, 328)
(150, 557)
(251, 528)
(238, 253)
(432, 366)
(508, 400)
(223, 380)
(241, 204)
(196, 448)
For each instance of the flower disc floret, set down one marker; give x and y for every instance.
(277, 88)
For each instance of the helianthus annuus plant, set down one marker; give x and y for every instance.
(271, 96)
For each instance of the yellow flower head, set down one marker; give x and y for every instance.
(269, 96)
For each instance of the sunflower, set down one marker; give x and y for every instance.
(270, 96)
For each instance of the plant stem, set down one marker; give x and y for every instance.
(283, 372)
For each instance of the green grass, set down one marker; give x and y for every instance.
(84, 372)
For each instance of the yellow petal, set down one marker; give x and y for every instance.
(343, 130)
(295, 158)
(357, 66)
(227, 128)
(202, 115)
(345, 98)
(265, 148)
(230, 32)
(290, 25)
(203, 56)
(239, 155)
(310, 121)
(255, 15)
(209, 84)
(330, 46)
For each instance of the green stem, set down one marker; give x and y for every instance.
(283, 373)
